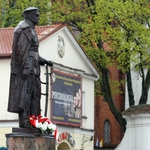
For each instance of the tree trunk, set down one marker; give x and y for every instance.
(145, 88)
(129, 88)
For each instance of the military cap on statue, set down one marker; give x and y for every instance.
(30, 9)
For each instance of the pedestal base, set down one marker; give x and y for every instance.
(137, 135)
(29, 139)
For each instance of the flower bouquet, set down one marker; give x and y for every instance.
(44, 124)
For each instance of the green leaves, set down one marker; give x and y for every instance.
(12, 11)
(110, 31)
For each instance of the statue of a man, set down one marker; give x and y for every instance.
(25, 85)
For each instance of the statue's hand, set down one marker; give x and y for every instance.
(49, 63)
(25, 73)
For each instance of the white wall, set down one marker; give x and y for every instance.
(88, 87)
(72, 57)
(4, 90)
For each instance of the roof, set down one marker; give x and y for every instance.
(137, 109)
(6, 37)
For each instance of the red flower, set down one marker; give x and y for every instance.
(44, 124)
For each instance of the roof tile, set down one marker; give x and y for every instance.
(137, 109)
(6, 37)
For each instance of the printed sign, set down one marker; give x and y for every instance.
(67, 136)
(66, 99)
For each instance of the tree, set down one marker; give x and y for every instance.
(124, 26)
(121, 24)
(11, 11)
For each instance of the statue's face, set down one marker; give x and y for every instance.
(34, 18)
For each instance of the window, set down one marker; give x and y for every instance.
(106, 131)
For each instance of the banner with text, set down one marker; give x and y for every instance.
(66, 99)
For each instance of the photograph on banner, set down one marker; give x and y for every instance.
(66, 104)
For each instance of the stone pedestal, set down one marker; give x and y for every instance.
(29, 139)
(137, 135)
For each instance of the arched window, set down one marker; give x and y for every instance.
(106, 131)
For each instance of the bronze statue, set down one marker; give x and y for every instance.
(25, 85)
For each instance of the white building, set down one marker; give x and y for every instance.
(72, 71)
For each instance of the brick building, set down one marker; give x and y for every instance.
(107, 129)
